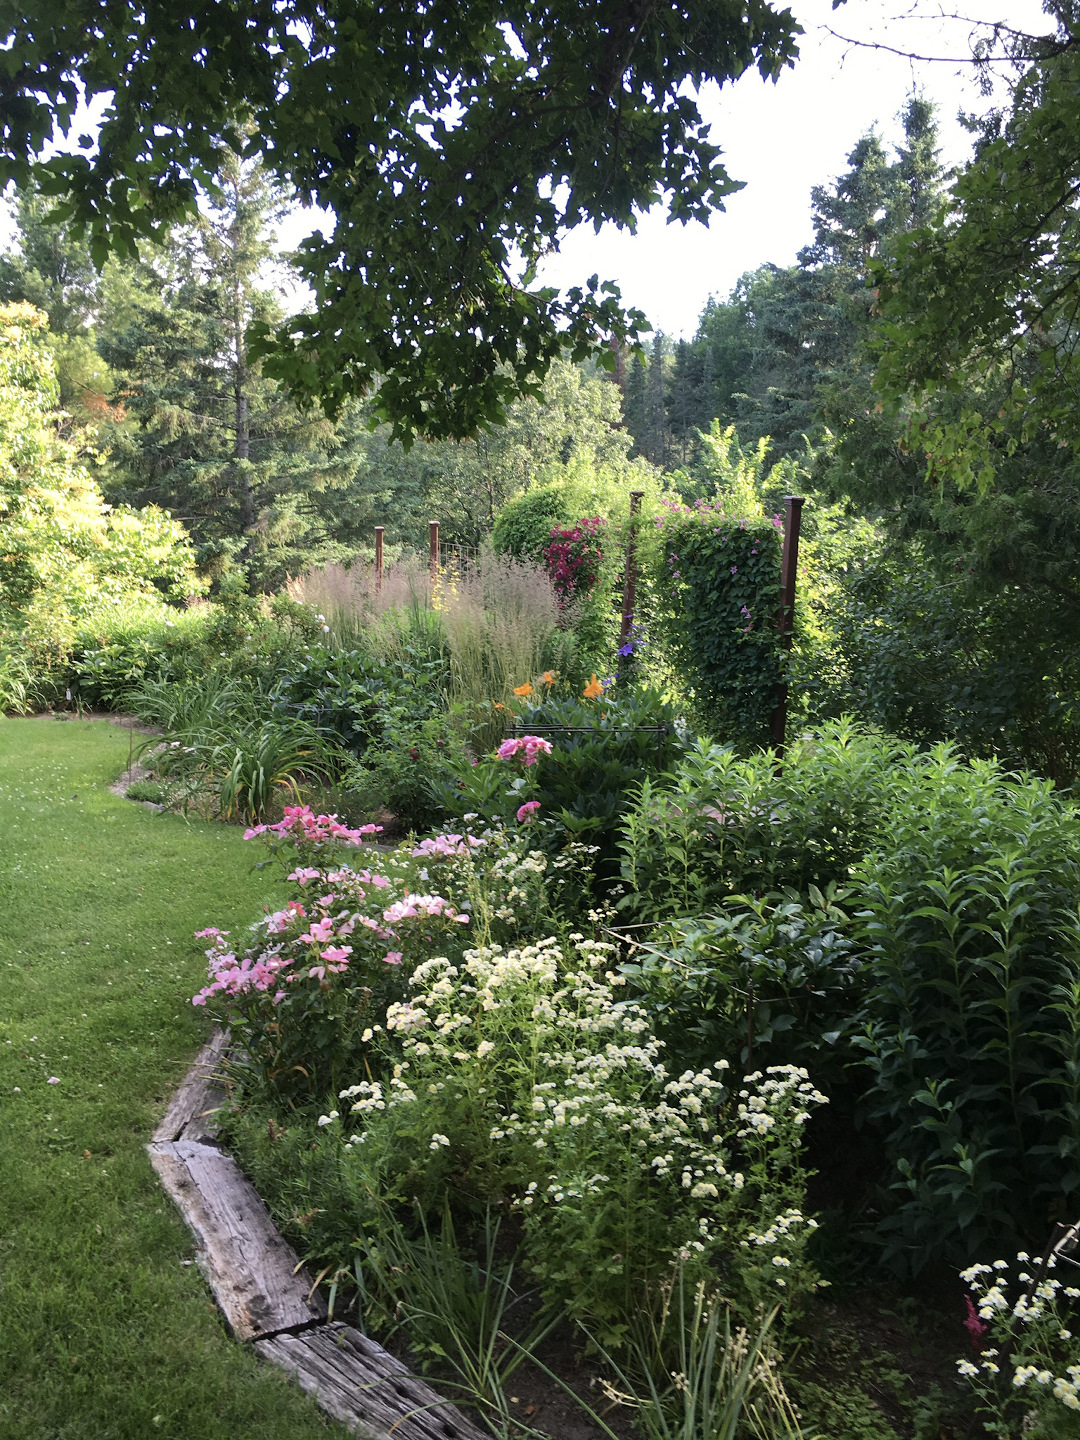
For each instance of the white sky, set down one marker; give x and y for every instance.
(781, 139)
(784, 138)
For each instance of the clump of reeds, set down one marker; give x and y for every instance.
(491, 618)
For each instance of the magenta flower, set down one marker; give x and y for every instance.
(531, 747)
(392, 957)
(304, 875)
(972, 1324)
(528, 811)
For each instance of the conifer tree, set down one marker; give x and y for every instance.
(206, 434)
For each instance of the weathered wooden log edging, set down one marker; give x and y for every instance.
(263, 1291)
(359, 1383)
(254, 1274)
(198, 1095)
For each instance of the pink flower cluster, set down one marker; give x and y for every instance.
(528, 811)
(415, 905)
(531, 746)
(444, 847)
(309, 946)
(302, 824)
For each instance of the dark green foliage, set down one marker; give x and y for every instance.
(998, 284)
(445, 140)
(925, 655)
(523, 526)
(204, 432)
(722, 824)
(764, 980)
(408, 772)
(357, 698)
(971, 1024)
(717, 595)
(601, 749)
(121, 650)
(937, 995)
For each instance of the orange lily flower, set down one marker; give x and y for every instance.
(592, 689)
(548, 677)
(525, 689)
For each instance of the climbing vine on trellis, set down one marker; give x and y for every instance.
(717, 594)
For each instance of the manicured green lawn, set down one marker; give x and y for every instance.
(106, 1329)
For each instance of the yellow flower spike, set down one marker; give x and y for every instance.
(592, 689)
(525, 689)
(548, 677)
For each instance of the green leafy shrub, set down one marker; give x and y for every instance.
(946, 1009)
(767, 981)
(723, 824)
(354, 696)
(933, 661)
(716, 597)
(523, 526)
(971, 1023)
(600, 748)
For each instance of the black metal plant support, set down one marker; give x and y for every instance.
(789, 566)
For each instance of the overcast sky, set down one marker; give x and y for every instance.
(782, 139)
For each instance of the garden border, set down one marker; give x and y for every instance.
(264, 1292)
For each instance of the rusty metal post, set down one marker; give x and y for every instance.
(433, 549)
(789, 567)
(629, 594)
(379, 530)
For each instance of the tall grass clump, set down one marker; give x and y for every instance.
(492, 620)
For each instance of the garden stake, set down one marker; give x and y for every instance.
(789, 565)
(630, 574)
(433, 549)
(379, 529)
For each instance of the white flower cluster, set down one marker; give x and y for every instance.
(759, 1109)
(570, 1070)
(1031, 1323)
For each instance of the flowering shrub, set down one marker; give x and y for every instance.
(1026, 1371)
(526, 1071)
(599, 748)
(304, 834)
(509, 890)
(528, 747)
(305, 994)
(574, 556)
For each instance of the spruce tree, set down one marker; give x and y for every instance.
(205, 434)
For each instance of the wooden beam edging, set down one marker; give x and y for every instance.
(263, 1291)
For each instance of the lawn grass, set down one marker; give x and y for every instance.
(107, 1331)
